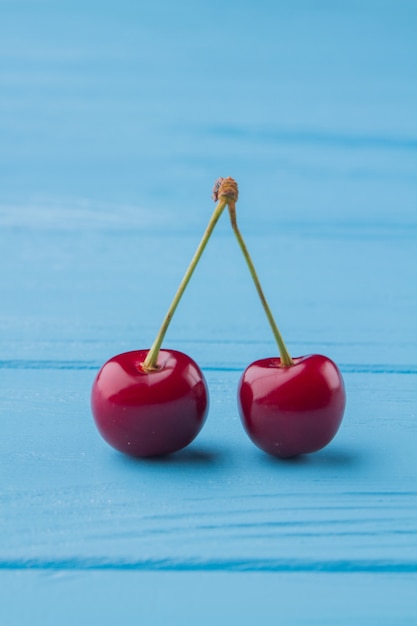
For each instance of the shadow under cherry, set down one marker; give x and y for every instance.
(335, 457)
(195, 456)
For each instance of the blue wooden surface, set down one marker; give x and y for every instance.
(115, 120)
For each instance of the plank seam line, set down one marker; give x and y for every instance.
(347, 368)
(255, 565)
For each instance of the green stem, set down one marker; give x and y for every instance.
(286, 359)
(152, 356)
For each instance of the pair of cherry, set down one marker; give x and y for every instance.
(154, 402)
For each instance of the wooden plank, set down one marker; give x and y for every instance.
(206, 598)
(73, 502)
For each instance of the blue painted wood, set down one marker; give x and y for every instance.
(207, 598)
(115, 122)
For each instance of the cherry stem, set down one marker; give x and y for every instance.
(286, 359)
(152, 356)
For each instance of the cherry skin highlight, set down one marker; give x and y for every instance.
(148, 413)
(294, 409)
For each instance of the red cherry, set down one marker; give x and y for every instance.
(154, 402)
(147, 413)
(291, 410)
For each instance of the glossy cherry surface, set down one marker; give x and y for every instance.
(294, 409)
(149, 413)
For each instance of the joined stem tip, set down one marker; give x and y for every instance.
(225, 188)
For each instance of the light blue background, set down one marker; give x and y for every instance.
(115, 120)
